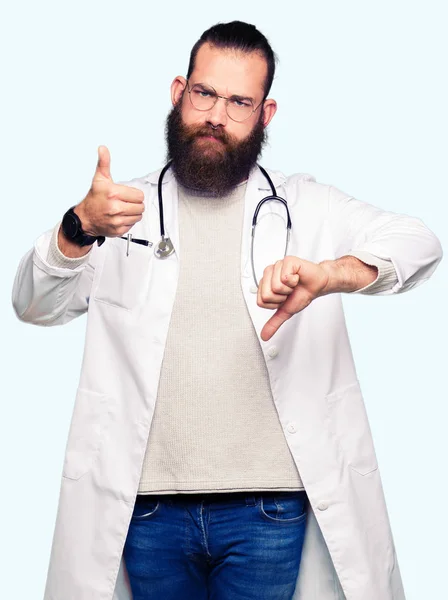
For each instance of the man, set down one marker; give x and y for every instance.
(217, 450)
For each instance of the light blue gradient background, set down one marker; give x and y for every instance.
(362, 95)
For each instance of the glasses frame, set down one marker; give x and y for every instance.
(226, 98)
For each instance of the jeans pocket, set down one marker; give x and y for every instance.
(290, 507)
(145, 507)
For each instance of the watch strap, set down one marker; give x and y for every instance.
(77, 234)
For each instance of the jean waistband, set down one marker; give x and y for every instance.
(222, 498)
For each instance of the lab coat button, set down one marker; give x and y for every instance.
(253, 289)
(291, 427)
(273, 351)
(322, 506)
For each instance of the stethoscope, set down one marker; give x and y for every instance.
(165, 247)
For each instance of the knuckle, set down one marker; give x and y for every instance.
(114, 208)
(111, 192)
(117, 221)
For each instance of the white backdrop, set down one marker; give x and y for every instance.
(362, 94)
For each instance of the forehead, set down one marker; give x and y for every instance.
(230, 71)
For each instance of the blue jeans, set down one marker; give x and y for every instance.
(216, 546)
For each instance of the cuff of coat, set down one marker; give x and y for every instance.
(387, 275)
(55, 257)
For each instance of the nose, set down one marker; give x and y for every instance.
(217, 115)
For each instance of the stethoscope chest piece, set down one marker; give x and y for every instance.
(164, 248)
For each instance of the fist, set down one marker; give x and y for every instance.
(289, 286)
(109, 209)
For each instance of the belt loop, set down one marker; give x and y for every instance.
(250, 500)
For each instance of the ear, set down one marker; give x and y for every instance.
(177, 88)
(270, 108)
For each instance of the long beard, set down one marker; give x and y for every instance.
(207, 165)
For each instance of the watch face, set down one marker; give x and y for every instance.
(70, 226)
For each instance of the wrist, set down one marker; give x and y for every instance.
(347, 274)
(79, 209)
(73, 228)
(68, 248)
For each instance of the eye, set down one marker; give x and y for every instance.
(241, 103)
(202, 93)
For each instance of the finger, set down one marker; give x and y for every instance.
(129, 221)
(277, 285)
(126, 193)
(131, 209)
(265, 294)
(290, 273)
(103, 165)
(123, 225)
(265, 303)
(293, 304)
(274, 323)
(269, 306)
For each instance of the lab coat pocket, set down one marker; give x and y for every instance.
(124, 280)
(349, 424)
(86, 430)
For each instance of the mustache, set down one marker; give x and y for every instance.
(194, 131)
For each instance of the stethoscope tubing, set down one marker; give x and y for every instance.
(165, 247)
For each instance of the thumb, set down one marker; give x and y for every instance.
(274, 323)
(103, 165)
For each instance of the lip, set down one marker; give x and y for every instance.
(211, 137)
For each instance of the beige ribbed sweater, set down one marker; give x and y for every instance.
(215, 426)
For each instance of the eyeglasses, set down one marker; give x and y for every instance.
(238, 108)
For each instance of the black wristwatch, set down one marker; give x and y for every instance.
(72, 229)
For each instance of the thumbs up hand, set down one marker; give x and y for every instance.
(109, 209)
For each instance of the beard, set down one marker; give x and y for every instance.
(214, 166)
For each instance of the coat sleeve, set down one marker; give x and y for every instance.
(47, 294)
(405, 241)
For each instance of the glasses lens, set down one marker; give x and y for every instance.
(239, 110)
(202, 97)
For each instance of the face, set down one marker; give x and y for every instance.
(210, 151)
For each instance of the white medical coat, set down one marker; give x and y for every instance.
(348, 550)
